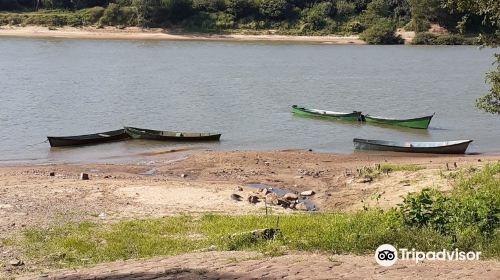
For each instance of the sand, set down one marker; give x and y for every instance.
(135, 33)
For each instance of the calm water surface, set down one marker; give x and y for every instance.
(70, 87)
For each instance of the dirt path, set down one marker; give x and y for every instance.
(250, 265)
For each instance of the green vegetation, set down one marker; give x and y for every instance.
(468, 218)
(386, 168)
(427, 38)
(375, 20)
(488, 14)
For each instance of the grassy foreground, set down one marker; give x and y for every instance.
(467, 218)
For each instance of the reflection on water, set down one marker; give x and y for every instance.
(73, 87)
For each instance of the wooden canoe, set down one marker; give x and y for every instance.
(88, 139)
(301, 111)
(421, 122)
(444, 147)
(142, 133)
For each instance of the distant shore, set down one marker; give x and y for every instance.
(135, 33)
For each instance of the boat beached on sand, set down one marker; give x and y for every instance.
(444, 147)
(301, 111)
(88, 139)
(142, 133)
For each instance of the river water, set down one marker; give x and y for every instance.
(243, 90)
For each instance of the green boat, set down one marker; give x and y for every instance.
(301, 111)
(142, 133)
(422, 122)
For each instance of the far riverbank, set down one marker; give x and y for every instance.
(135, 33)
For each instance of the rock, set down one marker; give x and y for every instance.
(299, 177)
(84, 176)
(291, 196)
(283, 203)
(236, 197)
(307, 193)
(272, 198)
(240, 189)
(365, 180)
(16, 262)
(253, 199)
(107, 176)
(264, 191)
(183, 175)
(301, 206)
(52, 174)
(102, 215)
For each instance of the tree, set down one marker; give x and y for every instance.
(381, 32)
(274, 9)
(422, 12)
(490, 11)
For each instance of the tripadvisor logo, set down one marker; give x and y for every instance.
(387, 255)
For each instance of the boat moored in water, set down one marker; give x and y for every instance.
(302, 111)
(142, 133)
(421, 122)
(88, 139)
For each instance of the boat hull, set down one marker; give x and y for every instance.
(88, 139)
(450, 147)
(141, 133)
(420, 123)
(301, 111)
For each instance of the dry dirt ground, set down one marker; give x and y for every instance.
(204, 182)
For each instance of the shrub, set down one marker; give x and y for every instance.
(427, 38)
(471, 211)
(116, 15)
(424, 38)
(382, 32)
(353, 27)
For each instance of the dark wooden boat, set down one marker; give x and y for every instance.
(88, 139)
(444, 147)
(142, 133)
(301, 111)
(422, 122)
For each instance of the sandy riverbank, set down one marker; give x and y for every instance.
(134, 33)
(203, 182)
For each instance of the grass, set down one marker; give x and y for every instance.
(386, 168)
(468, 218)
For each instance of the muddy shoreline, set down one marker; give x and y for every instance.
(204, 182)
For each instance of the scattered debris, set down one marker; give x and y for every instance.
(301, 206)
(291, 196)
(16, 262)
(366, 179)
(265, 233)
(84, 176)
(307, 193)
(236, 197)
(253, 199)
(52, 174)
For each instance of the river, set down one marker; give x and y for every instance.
(243, 90)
